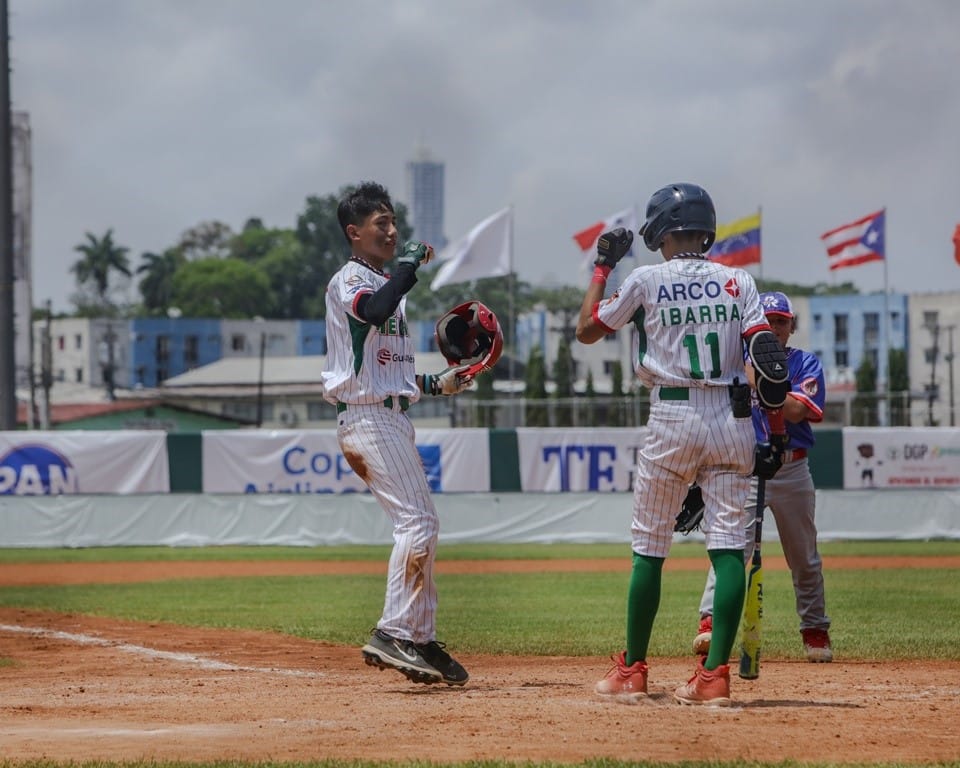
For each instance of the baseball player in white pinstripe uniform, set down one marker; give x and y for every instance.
(371, 380)
(692, 317)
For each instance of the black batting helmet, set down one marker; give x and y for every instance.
(679, 207)
(470, 335)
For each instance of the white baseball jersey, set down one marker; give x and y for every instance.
(369, 370)
(365, 363)
(691, 316)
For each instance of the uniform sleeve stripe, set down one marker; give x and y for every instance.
(356, 299)
(756, 329)
(810, 404)
(598, 321)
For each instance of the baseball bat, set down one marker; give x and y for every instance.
(753, 610)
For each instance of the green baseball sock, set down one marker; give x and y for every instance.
(642, 605)
(728, 599)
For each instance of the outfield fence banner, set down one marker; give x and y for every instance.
(901, 457)
(55, 463)
(573, 460)
(310, 461)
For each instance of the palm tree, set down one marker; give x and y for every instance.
(101, 257)
(158, 270)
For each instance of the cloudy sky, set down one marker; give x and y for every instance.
(150, 116)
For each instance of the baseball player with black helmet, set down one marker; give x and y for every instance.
(790, 495)
(692, 317)
(371, 380)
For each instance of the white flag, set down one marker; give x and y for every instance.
(483, 252)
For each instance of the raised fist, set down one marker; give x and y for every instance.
(613, 246)
(415, 253)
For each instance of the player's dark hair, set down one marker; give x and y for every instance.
(360, 202)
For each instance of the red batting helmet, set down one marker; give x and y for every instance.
(469, 334)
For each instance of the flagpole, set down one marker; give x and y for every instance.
(760, 217)
(513, 321)
(886, 329)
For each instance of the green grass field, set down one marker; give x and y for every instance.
(531, 613)
(905, 613)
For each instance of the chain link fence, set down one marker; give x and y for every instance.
(897, 409)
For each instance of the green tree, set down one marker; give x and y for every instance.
(325, 249)
(793, 289)
(156, 286)
(206, 240)
(102, 257)
(563, 378)
(616, 379)
(283, 265)
(588, 413)
(535, 390)
(865, 401)
(220, 288)
(899, 388)
(486, 415)
(256, 241)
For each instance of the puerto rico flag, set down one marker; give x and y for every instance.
(856, 243)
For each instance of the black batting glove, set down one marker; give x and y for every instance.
(415, 253)
(768, 458)
(613, 246)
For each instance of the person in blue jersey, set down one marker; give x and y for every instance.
(790, 495)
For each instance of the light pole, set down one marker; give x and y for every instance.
(932, 386)
(949, 360)
(263, 350)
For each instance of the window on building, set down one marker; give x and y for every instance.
(871, 329)
(895, 321)
(610, 338)
(931, 355)
(61, 343)
(840, 358)
(874, 357)
(238, 342)
(840, 329)
(61, 374)
(162, 349)
(141, 374)
(77, 341)
(818, 322)
(931, 319)
(246, 411)
(818, 354)
(320, 410)
(608, 366)
(78, 375)
(162, 374)
(191, 351)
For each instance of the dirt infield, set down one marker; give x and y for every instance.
(82, 688)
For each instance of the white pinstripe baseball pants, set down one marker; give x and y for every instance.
(380, 446)
(692, 439)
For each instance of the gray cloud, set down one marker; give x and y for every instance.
(150, 117)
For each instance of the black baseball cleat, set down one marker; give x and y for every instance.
(383, 651)
(451, 671)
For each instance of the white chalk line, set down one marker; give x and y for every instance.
(189, 659)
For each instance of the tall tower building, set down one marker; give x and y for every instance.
(425, 197)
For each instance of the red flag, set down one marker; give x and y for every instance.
(587, 238)
(956, 243)
(856, 243)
